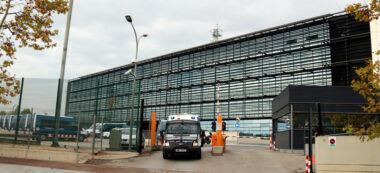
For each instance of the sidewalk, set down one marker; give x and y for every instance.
(48, 153)
(77, 166)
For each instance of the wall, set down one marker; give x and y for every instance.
(350, 155)
(375, 38)
(283, 139)
(298, 139)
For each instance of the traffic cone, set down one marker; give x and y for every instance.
(87, 139)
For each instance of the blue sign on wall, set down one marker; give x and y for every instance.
(287, 126)
(237, 125)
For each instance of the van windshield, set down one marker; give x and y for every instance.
(182, 128)
(97, 126)
(127, 131)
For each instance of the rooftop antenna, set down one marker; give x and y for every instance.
(216, 33)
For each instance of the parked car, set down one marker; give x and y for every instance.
(125, 137)
(107, 127)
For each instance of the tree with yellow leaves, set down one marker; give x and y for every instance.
(368, 82)
(24, 24)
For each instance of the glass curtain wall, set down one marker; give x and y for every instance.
(251, 72)
(109, 96)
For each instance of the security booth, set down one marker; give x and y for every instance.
(326, 107)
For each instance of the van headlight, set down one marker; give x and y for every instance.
(166, 144)
(195, 144)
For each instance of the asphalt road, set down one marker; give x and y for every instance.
(248, 158)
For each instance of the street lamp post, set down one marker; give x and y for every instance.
(129, 19)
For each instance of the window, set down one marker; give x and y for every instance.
(291, 41)
(312, 37)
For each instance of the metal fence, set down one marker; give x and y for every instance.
(83, 131)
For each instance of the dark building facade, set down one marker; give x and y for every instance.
(251, 70)
(330, 108)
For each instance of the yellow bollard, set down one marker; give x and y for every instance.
(219, 146)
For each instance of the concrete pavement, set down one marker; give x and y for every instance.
(247, 158)
(238, 158)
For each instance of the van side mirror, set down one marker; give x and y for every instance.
(203, 133)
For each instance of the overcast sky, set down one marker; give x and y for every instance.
(100, 37)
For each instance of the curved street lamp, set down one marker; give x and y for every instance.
(134, 61)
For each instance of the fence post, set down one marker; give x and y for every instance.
(93, 134)
(320, 125)
(28, 138)
(310, 136)
(78, 129)
(101, 135)
(94, 120)
(141, 124)
(150, 137)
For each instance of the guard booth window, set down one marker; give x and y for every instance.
(283, 123)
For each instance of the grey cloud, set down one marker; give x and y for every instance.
(100, 38)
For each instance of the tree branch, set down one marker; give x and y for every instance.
(6, 13)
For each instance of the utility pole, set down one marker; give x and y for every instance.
(61, 78)
(18, 110)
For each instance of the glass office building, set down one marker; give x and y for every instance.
(251, 70)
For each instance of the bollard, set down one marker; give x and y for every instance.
(309, 168)
(270, 144)
(153, 130)
(307, 164)
(270, 139)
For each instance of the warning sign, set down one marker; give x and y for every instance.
(332, 141)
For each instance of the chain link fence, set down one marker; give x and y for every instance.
(108, 123)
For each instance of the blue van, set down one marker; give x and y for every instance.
(43, 128)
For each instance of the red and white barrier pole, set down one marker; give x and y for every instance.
(308, 164)
(274, 145)
(270, 139)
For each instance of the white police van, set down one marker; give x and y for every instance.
(182, 136)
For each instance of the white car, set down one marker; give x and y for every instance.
(125, 137)
(106, 135)
(90, 130)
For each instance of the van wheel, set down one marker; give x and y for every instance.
(199, 156)
(43, 137)
(165, 156)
